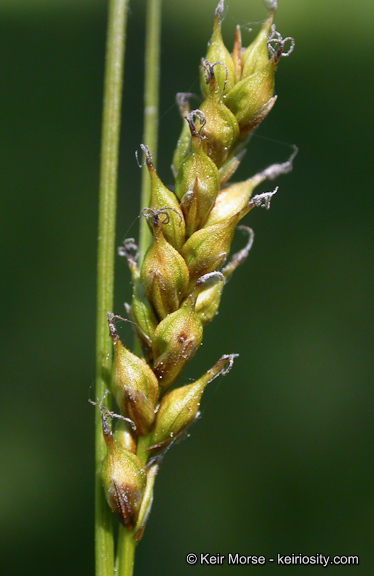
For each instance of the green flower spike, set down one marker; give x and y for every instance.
(134, 385)
(179, 408)
(162, 198)
(178, 288)
(197, 182)
(164, 274)
(218, 53)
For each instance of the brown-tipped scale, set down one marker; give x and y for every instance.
(123, 478)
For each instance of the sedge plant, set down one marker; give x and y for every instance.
(179, 275)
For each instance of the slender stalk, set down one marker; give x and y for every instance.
(151, 96)
(104, 546)
(126, 542)
(126, 552)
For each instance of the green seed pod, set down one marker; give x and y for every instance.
(250, 100)
(221, 129)
(162, 198)
(176, 340)
(164, 274)
(256, 56)
(178, 409)
(141, 311)
(209, 299)
(197, 182)
(217, 52)
(207, 249)
(123, 478)
(134, 385)
(184, 141)
(232, 200)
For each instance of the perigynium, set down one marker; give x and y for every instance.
(178, 285)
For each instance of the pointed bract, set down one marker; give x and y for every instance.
(217, 52)
(232, 200)
(179, 407)
(256, 56)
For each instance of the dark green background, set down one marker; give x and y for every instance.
(282, 459)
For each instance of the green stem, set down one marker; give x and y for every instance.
(104, 546)
(126, 542)
(126, 552)
(151, 92)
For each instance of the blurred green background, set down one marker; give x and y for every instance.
(281, 460)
